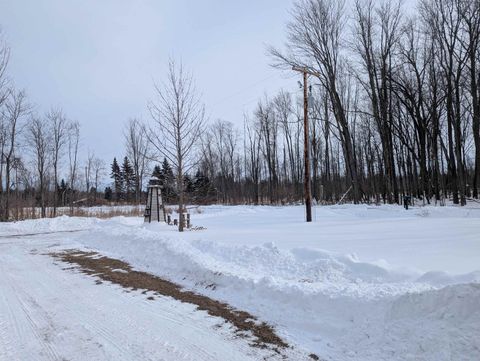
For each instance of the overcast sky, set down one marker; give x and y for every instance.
(97, 60)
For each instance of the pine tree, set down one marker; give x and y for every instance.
(108, 194)
(128, 178)
(116, 175)
(157, 172)
(203, 189)
(62, 190)
(167, 173)
(188, 186)
(167, 180)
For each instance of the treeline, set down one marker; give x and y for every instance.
(398, 98)
(198, 189)
(40, 168)
(394, 108)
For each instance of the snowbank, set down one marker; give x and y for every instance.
(336, 304)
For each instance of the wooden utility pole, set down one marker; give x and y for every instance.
(307, 182)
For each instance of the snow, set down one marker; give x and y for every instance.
(55, 315)
(370, 232)
(359, 283)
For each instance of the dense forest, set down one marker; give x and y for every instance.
(394, 110)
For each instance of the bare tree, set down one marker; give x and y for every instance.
(88, 168)
(178, 115)
(73, 145)
(315, 43)
(470, 15)
(16, 108)
(137, 149)
(290, 126)
(222, 138)
(445, 25)
(377, 34)
(59, 134)
(98, 168)
(268, 124)
(4, 81)
(4, 91)
(209, 157)
(253, 168)
(38, 140)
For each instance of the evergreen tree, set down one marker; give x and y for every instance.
(203, 189)
(108, 194)
(63, 185)
(62, 190)
(188, 186)
(167, 173)
(157, 172)
(116, 175)
(128, 178)
(167, 180)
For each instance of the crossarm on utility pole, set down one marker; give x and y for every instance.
(305, 70)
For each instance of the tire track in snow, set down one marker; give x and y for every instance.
(49, 313)
(96, 327)
(23, 321)
(49, 352)
(6, 349)
(41, 333)
(70, 296)
(135, 301)
(19, 235)
(169, 312)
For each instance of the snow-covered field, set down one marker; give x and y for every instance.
(359, 283)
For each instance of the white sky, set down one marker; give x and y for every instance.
(98, 59)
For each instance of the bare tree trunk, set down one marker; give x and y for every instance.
(16, 108)
(39, 142)
(137, 149)
(73, 145)
(314, 37)
(470, 14)
(58, 130)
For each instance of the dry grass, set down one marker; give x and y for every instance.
(108, 212)
(98, 212)
(104, 211)
(107, 269)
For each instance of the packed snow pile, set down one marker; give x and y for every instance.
(45, 225)
(360, 283)
(449, 315)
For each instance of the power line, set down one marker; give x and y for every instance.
(228, 97)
